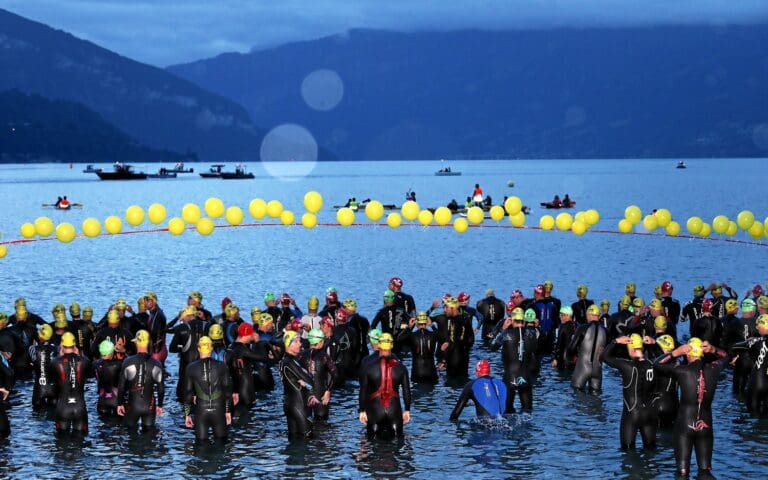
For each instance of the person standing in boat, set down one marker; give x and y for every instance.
(477, 195)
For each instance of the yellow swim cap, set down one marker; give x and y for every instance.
(660, 322)
(68, 340)
(625, 301)
(74, 309)
(231, 310)
(265, 319)
(61, 320)
(630, 288)
(581, 290)
(655, 304)
(518, 314)
(59, 307)
(593, 310)
(196, 295)
(731, 306)
(113, 318)
(189, 310)
(121, 304)
(45, 332)
(762, 321)
(255, 314)
(288, 337)
(666, 342)
(638, 302)
(142, 338)
(385, 341)
(205, 345)
(216, 332)
(313, 303)
(635, 341)
(696, 350)
(657, 289)
(151, 295)
(762, 301)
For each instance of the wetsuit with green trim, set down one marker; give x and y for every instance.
(141, 388)
(207, 386)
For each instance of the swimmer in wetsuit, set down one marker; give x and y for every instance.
(70, 371)
(323, 370)
(638, 386)
(588, 343)
(518, 345)
(240, 359)
(698, 381)
(488, 394)
(42, 354)
(298, 395)
(107, 370)
(379, 401)
(141, 377)
(757, 386)
(208, 387)
(423, 345)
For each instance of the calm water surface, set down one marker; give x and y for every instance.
(568, 435)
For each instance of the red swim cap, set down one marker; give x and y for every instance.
(706, 305)
(483, 368)
(225, 301)
(341, 315)
(244, 330)
(295, 325)
(666, 287)
(463, 297)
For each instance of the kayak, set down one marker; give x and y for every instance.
(70, 207)
(562, 205)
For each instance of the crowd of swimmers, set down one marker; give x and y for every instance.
(225, 359)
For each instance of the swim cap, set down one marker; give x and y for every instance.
(666, 287)
(20, 302)
(718, 288)
(224, 302)
(666, 342)
(105, 348)
(731, 306)
(341, 315)
(245, 330)
(518, 314)
(422, 318)
(762, 301)
(517, 293)
(538, 289)
(635, 341)
(232, 311)
(463, 297)
(657, 289)
(698, 290)
(660, 322)
(389, 296)
(327, 322)
(315, 336)
(452, 302)
(630, 288)
(295, 325)
(638, 302)
(748, 305)
(289, 337)
(490, 293)
(87, 312)
(762, 321)
(566, 310)
(196, 295)
(141, 339)
(45, 332)
(189, 310)
(530, 315)
(655, 304)
(313, 303)
(696, 350)
(625, 301)
(331, 290)
(4, 317)
(113, 318)
(265, 319)
(396, 281)
(385, 341)
(286, 299)
(140, 302)
(581, 290)
(269, 297)
(59, 307)
(121, 304)
(374, 335)
(67, 340)
(255, 314)
(216, 332)
(74, 309)
(350, 304)
(205, 345)
(706, 305)
(605, 303)
(593, 310)
(151, 295)
(757, 290)
(331, 297)
(61, 320)
(483, 368)
(21, 313)
(548, 286)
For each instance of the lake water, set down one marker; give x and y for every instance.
(568, 435)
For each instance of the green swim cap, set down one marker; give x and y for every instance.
(315, 336)
(530, 315)
(373, 336)
(566, 310)
(269, 297)
(389, 296)
(106, 348)
(748, 305)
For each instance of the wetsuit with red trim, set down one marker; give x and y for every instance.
(380, 384)
(693, 427)
(70, 372)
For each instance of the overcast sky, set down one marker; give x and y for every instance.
(164, 32)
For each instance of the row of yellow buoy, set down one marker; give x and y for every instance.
(721, 224)
(564, 221)
(662, 218)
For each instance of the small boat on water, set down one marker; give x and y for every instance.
(681, 164)
(239, 174)
(214, 171)
(90, 169)
(560, 205)
(162, 174)
(447, 172)
(121, 171)
(178, 168)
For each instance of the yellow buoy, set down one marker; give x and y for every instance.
(190, 213)
(625, 226)
(274, 208)
(497, 213)
(732, 228)
(205, 226)
(234, 215)
(313, 202)
(518, 219)
(65, 232)
(113, 224)
(443, 216)
(309, 220)
(134, 215)
(720, 224)
(345, 216)
(475, 215)
(547, 222)
(694, 225)
(44, 226)
(460, 225)
(156, 213)
(425, 217)
(410, 210)
(374, 210)
(214, 207)
(579, 227)
(394, 220)
(592, 216)
(513, 205)
(176, 226)
(3, 251)
(257, 208)
(91, 227)
(27, 230)
(706, 230)
(633, 214)
(564, 221)
(287, 217)
(673, 229)
(745, 219)
(650, 222)
(663, 216)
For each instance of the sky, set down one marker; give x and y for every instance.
(166, 32)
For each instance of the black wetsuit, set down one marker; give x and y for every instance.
(186, 335)
(70, 372)
(665, 399)
(115, 335)
(756, 397)
(6, 382)
(19, 360)
(141, 377)
(107, 376)
(380, 383)
(240, 359)
(518, 352)
(708, 329)
(329, 310)
(230, 330)
(362, 326)
(284, 318)
(737, 330)
(493, 311)
(156, 324)
(672, 307)
(83, 336)
(405, 302)
(617, 324)
(588, 343)
(564, 335)
(207, 381)
(641, 325)
(323, 371)
(638, 387)
(488, 394)
(346, 337)
(44, 388)
(297, 390)
(423, 347)
(580, 310)
(457, 332)
(390, 318)
(693, 427)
